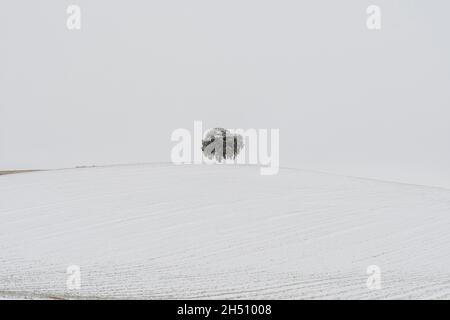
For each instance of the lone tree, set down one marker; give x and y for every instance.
(220, 143)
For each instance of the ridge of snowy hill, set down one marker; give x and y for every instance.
(220, 231)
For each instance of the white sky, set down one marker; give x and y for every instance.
(346, 99)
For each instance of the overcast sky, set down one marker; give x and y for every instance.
(346, 99)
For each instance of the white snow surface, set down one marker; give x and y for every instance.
(220, 231)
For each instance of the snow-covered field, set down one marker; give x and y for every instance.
(220, 231)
